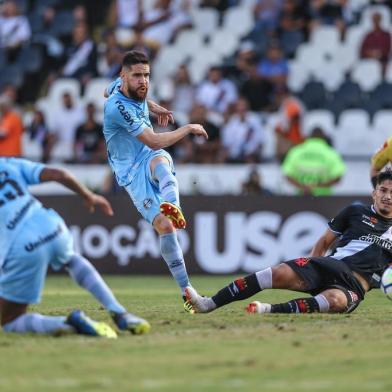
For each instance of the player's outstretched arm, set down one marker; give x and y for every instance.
(380, 159)
(323, 244)
(65, 178)
(164, 116)
(166, 139)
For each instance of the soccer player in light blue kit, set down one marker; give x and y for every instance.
(32, 238)
(140, 164)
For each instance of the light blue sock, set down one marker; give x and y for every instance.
(37, 323)
(172, 253)
(168, 184)
(86, 276)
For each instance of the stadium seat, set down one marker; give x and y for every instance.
(298, 76)
(31, 149)
(388, 72)
(167, 62)
(326, 39)
(189, 42)
(63, 24)
(330, 74)
(381, 96)
(367, 73)
(319, 118)
(61, 86)
(349, 94)
(382, 123)
(40, 5)
(224, 42)
(358, 5)
(290, 41)
(36, 22)
(22, 5)
(200, 64)
(345, 56)
(30, 59)
(94, 92)
(205, 20)
(313, 95)
(239, 20)
(62, 151)
(306, 52)
(11, 74)
(353, 136)
(354, 37)
(2, 58)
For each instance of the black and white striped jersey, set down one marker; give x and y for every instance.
(364, 241)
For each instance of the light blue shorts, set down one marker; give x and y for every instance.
(44, 240)
(144, 190)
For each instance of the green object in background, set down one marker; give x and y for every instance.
(314, 162)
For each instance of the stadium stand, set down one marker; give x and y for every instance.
(348, 96)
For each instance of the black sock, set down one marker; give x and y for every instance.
(299, 305)
(240, 289)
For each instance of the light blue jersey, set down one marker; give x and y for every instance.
(17, 205)
(31, 236)
(114, 86)
(124, 120)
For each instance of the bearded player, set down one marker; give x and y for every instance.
(141, 166)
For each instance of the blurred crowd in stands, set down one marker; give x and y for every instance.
(43, 42)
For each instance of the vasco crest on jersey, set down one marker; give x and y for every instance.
(369, 220)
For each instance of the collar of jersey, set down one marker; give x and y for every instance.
(381, 216)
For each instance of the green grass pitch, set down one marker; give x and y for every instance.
(223, 351)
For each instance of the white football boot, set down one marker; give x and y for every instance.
(199, 304)
(258, 307)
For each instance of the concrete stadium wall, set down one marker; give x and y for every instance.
(221, 179)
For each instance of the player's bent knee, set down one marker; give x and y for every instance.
(284, 277)
(337, 301)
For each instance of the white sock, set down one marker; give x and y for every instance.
(264, 278)
(322, 303)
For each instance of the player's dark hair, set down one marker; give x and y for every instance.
(134, 57)
(385, 175)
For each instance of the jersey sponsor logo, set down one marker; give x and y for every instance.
(369, 220)
(126, 116)
(374, 239)
(302, 261)
(19, 215)
(43, 240)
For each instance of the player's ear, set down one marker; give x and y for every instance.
(374, 193)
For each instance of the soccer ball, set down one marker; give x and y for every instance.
(386, 283)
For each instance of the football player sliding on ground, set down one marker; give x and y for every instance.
(337, 282)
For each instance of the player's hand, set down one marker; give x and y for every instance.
(383, 155)
(93, 200)
(164, 116)
(198, 130)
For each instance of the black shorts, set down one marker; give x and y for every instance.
(322, 273)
